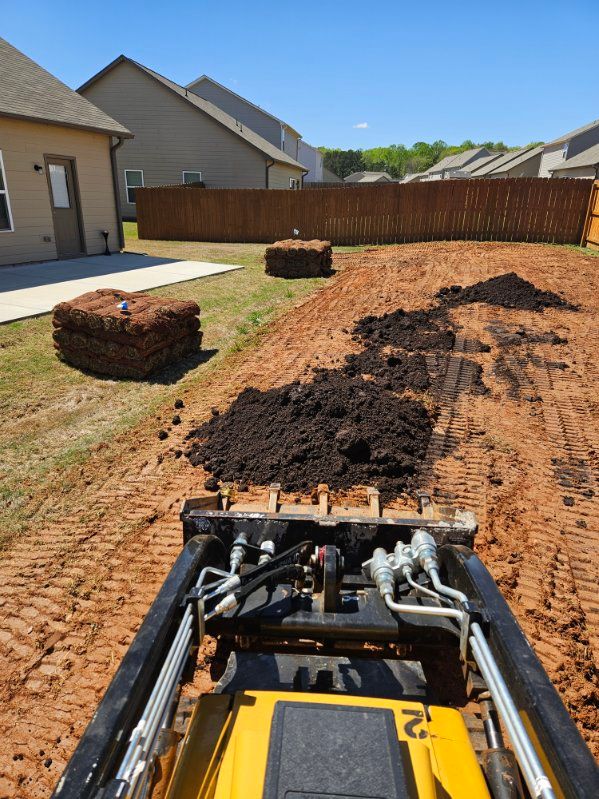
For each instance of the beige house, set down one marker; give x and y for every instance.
(582, 165)
(57, 182)
(182, 138)
(523, 163)
(265, 124)
(558, 151)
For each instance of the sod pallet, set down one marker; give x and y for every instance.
(92, 332)
(295, 258)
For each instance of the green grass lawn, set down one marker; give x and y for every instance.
(53, 413)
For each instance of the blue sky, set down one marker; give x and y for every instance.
(404, 71)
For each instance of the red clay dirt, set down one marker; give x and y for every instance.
(524, 457)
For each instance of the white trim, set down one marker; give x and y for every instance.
(4, 191)
(127, 186)
(294, 183)
(192, 172)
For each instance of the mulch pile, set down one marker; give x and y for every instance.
(91, 332)
(295, 258)
(507, 291)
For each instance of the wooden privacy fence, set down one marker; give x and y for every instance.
(510, 209)
(590, 235)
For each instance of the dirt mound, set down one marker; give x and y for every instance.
(341, 430)
(295, 258)
(507, 291)
(411, 330)
(95, 332)
(394, 372)
(349, 427)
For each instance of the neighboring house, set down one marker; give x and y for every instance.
(455, 163)
(583, 165)
(412, 177)
(311, 158)
(330, 177)
(182, 138)
(270, 127)
(522, 163)
(369, 177)
(556, 152)
(57, 181)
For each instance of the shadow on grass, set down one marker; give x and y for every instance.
(166, 376)
(174, 372)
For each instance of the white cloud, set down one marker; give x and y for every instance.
(361, 125)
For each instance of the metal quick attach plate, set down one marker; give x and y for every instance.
(325, 523)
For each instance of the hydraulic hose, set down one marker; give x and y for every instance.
(534, 775)
(423, 610)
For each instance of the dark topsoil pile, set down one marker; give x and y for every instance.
(348, 427)
(351, 426)
(507, 291)
(338, 430)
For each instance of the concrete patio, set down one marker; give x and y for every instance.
(34, 289)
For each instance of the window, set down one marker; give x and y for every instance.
(192, 177)
(565, 150)
(60, 186)
(294, 183)
(5, 212)
(134, 179)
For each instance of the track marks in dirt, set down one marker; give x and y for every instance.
(74, 588)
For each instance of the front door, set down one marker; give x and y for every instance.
(64, 198)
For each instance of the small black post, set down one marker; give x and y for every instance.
(105, 234)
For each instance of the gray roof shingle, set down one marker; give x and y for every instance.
(519, 158)
(588, 157)
(27, 91)
(366, 177)
(212, 110)
(573, 133)
(457, 161)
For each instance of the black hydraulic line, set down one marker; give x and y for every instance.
(287, 558)
(293, 570)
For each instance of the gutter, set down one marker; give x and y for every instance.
(115, 188)
(268, 166)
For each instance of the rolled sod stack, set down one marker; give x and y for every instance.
(93, 332)
(295, 258)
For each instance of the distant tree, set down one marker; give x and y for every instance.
(398, 160)
(343, 162)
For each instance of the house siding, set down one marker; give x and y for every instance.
(254, 118)
(171, 136)
(577, 172)
(291, 144)
(23, 145)
(551, 158)
(311, 158)
(582, 142)
(279, 174)
(527, 169)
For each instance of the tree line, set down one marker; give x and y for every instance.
(399, 160)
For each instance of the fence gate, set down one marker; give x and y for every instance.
(590, 237)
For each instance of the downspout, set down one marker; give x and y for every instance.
(268, 166)
(115, 188)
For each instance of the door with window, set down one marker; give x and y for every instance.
(66, 213)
